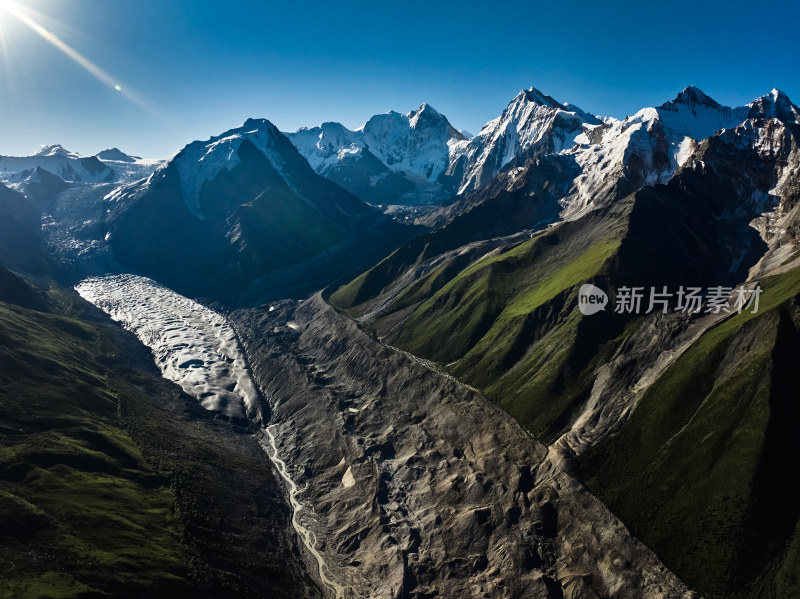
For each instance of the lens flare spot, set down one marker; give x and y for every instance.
(25, 16)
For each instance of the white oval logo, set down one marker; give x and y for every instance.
(591, 299)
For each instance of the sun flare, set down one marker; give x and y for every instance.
(30, 19)
(7, 6)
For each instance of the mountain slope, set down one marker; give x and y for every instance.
(40, 186)
(21, 244)
(697, 471)
(114, 484)
(243, 213)
(501, 314)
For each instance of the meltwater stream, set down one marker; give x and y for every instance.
(307, 536)
(197, 348)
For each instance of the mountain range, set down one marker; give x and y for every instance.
(674, 421)
(392, 159)
(244, 213)
(448, 418)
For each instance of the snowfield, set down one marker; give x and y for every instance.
(191, 344)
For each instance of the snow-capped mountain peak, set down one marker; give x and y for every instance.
(405, 154)
(321, 145)
(691, 96)
(334, 136)
(202, 161)
(416, 144)
(533, 123)
(427, 116)
(648, 147)
(424, 107)
(645, 148)
(116, 155)
(57, 150)
(774, 105)
(534, 95)
(691, 114)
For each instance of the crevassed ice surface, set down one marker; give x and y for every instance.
(191, 344)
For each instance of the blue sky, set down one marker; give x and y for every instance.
(190, 69)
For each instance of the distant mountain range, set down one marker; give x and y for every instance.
(104, 167)
(419, 158)
(544, 159)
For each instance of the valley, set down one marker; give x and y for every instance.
(415, 459)
(351, 363)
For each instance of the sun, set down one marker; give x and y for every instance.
(32, 20)
(8, 7)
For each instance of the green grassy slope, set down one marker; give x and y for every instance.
(111, 483)
(76, 491)
(698, 471)
(701, 470)
(511, 337)
(506, 213)
(508, 323)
